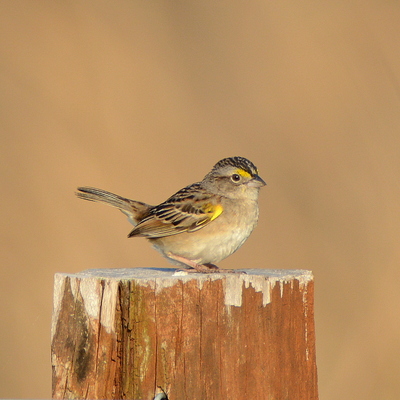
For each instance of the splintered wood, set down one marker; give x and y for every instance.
(122, 333)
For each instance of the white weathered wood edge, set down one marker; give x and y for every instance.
(95, 295)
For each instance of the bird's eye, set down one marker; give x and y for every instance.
(235, 178)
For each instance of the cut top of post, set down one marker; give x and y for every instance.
(261, 280)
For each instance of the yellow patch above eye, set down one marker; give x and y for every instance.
(243, 173)
(215, 211)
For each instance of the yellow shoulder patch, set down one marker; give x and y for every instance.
(217, 211)
(214, 210)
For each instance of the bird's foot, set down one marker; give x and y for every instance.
(223, 270)
(200, 268)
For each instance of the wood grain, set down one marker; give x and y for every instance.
(121, 333)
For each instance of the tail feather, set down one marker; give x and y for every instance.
(134, 210)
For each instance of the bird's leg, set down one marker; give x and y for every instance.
(195, 267)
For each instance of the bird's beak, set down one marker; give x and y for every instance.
(256, 182)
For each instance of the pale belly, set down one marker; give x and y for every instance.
(210, 244)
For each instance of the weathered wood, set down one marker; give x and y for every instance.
(120, 333)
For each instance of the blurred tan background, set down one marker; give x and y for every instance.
(143, 97)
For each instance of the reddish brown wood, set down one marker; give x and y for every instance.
(118, 334)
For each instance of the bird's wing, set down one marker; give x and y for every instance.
(188, 210)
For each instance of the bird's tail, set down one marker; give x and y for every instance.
(134, 210)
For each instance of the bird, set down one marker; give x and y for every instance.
(201, 224)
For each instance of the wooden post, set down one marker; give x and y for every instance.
(121, 333)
